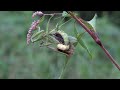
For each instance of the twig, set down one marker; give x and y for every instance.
(95, 37)
(53, 14)
(110, 57)
(63, 70)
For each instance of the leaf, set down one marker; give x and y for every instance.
(72, 39)
(65, 14)
(82, 43)
(42, 19)
(88, 25)
(75, 29)
(93, 21)
(37, 36)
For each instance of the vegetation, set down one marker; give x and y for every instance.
(17, 60)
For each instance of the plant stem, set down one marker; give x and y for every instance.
(47, 27)
(53, 14)
(62, 72)
(95, 37)
(80, 22)
(110, 57)
(64, 23)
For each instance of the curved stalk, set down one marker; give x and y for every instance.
(63, 70)
(95, 37)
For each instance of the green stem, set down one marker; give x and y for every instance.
(63, 70)
(65, 23)
(47, 28)
(62, 20)
(75, 29)
(58, 26)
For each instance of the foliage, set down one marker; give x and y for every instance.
(17, 60)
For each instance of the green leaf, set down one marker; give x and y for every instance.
(93, 21)
(82, 43)
(79, 39)
(88, 25)
(75, 29)
(72, 39)
(37, 36)
(65, 14)
(80, 35)
(42, 19)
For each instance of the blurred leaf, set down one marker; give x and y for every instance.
(48, 23)
(88, 25)
(79, 38)
(75, 29)
(37, 36)
(72, 39)
(93, 22)
(42, 19)
(82, 43)
(65, 14)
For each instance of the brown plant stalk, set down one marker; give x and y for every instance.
(95, 37)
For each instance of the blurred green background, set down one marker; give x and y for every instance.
(19, 61)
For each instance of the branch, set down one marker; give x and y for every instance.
(95, 37)
(53, 14)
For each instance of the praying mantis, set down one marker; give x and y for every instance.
(55, 39)
(58, 40)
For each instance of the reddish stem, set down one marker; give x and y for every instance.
(95, 37)
(110, 57)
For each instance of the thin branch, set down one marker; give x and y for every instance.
(110, 57)
(64, 23)
(80, 22)
(53, 14)
(95, 37)
(63, 70)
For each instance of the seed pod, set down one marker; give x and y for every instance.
(63, 47)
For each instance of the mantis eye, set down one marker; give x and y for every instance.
(63, 47)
